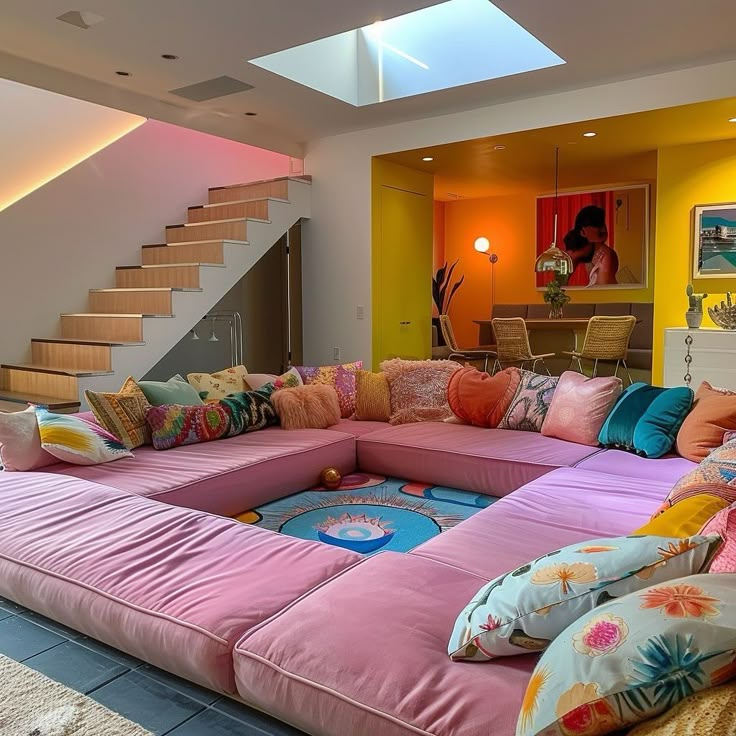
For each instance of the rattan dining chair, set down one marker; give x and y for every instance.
(512, 344)
(606, 340)
(481, 352)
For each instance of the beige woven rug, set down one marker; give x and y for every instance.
(33, 705)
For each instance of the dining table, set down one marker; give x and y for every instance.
(574, 325)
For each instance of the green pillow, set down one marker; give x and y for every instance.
(174, 391)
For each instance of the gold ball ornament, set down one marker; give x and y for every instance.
(330, 478)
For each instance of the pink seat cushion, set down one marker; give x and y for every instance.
(358, 428)
(490, 461)
(376, 663)
(668, 469)
(563, 507)
(174, 587)
(231, 475)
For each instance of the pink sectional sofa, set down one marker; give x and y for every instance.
(132, 553)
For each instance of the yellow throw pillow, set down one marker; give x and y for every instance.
(372, 397)
(686, 518)
(122, 414)
(215, 386)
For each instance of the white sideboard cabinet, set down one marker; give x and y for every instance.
(713, 353)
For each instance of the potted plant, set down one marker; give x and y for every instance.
(442, 292)
(556, 297)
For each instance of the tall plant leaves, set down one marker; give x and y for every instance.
(452, 294)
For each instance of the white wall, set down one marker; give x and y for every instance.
(337, 241)
(69, 235)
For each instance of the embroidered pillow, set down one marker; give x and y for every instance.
(372, 397)
(75, 441)
(213, 386)
(713, 413)
(531, 402)
(174, 391)
(122, 414)
(526, 609)
(20, 442)
(482, 400)
(290, 379)
(175, 425)
(723, 524)
(340, 377)
(307, 407)
(634, 658)
(418, 389)
(579, 407)
(249, 411)
(685, 518)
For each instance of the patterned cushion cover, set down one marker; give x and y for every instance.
(372, 397)
(480, 399)
(526, 609)
(123, 414)
(213, 386)
(530, 404)
(175, 425)
(340, 377)
(634, 658)
(724, 525)
(290, 379)
(249, 411)
(75, 441)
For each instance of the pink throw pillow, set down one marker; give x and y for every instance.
(579, 407)
(724, 525)
(20, 442)
(314, 406)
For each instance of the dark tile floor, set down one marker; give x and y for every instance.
(156, 700)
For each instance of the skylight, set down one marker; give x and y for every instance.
(447, 45)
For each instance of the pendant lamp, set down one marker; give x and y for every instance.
(554, 259)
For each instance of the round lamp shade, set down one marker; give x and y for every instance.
(482, 245)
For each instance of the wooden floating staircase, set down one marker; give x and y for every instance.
(199, 262)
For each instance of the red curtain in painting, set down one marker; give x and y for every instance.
(568, 207)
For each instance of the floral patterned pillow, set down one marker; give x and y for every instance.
(530, 404)
(634, 658)
(215, 386)
(526, 609)
(340, 377)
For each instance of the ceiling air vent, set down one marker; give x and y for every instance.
(212, 88)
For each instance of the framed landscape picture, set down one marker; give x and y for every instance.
(604, 231)
(714, 241)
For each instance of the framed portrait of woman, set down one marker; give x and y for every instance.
(604, 231)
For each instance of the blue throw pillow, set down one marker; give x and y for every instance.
(646, 419)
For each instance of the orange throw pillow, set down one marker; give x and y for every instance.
(313, 406)
(713, 414)
(480, 399)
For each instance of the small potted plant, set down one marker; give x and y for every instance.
(556, 297)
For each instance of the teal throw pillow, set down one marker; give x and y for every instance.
(646, 419)
(174, 391)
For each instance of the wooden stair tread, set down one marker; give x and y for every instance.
(306, 179)
(171, 265)
(143, 288)
(52, 402)
(82, 341)
(37, 368)
(114, 314)
(240, 201)
(217, 222)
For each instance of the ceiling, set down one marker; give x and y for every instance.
(622, 149)
(600, 41)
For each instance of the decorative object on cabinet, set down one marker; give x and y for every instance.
(694, 314)
(724, 314)
(714, 241)
(556, 297)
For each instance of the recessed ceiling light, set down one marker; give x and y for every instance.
(499, 147)
(428, 158)
(169, 57)
(124, 74)
(732, 120)
(250, 114)
(590, 134)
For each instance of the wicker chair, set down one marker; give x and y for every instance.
(512, 344)
(606, 340)
(482, 352)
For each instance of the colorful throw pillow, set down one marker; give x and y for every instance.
(340, 377)
(723, 524)
(122, 414)
(646, 419)
(290, 379)
(249, 411)
(20, 442)
(579, 407)
(634, 658)
(372, 397)
(715, 475)
(213, 386)
(685, 518)
(713, 413)
(174, 391)
(418, 389)
(531, 402)
(706, 713)
(75, 441)
(482, 400)
(307, 407)
(175, 425)
(526, 609)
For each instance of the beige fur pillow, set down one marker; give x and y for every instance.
(314, 406)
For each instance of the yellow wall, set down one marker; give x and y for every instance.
(702, 173)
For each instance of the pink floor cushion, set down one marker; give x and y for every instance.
(358, 428)
(491, 461)
(231, 475)
(563, 507)
(668, 469)
(723, 524)
(174, 587)
(377, 662)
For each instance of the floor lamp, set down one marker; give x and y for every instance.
(483, 245)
